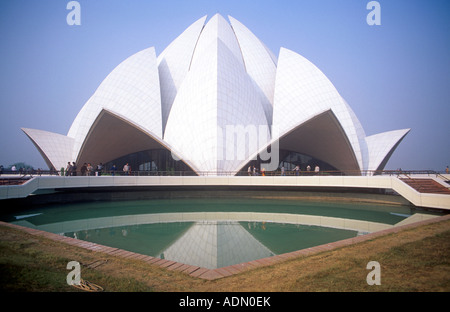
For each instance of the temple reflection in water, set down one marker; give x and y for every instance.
(215, 244)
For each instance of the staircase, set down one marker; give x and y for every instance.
(427, 186)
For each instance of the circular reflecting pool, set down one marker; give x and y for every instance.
(211, 233)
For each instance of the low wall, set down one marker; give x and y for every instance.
(115, 187)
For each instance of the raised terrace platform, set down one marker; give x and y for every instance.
(357, 184)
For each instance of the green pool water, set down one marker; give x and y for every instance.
(206, 232)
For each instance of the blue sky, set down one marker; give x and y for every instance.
(394, 76)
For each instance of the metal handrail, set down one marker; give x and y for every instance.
(30, 173)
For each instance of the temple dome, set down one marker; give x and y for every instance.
(217, 98)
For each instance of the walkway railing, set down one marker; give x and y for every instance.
(18, 177)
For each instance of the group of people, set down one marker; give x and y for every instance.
(71, 169)
(297, 170)
(88, 170)
(253, 171)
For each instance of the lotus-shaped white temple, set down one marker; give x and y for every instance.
(216, 100)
